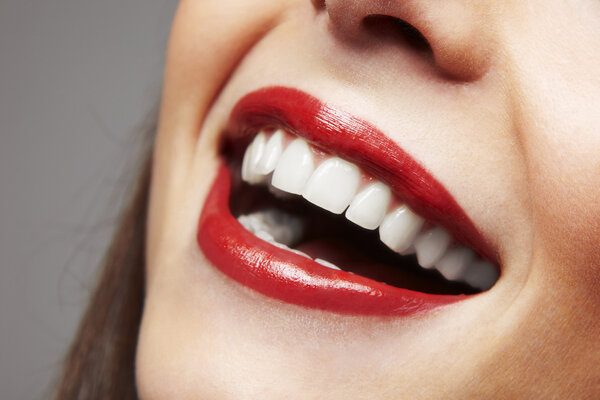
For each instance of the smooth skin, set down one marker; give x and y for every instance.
(502, 110)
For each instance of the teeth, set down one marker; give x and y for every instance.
(333, 185)
(280, 229)
(327, 263)
(300, 253)
(294, 168)
(271, 154)
(431, 246)
(454, 263)
(274, 225)
(266, 236)
(253, 154)
(369, 206)
(481, 274)
(399, 229)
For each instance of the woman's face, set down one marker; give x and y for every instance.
(486, 126)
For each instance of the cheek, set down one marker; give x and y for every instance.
(558, 125)
(564, 176)
(207, 41)
(567, 208)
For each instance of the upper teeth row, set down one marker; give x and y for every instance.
(337, 185)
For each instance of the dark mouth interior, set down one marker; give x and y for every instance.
(335, 239)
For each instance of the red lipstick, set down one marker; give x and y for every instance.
(281, 274)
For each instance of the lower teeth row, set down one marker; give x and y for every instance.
(280, 229)
(287, 165)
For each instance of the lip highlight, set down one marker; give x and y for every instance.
(281, 274)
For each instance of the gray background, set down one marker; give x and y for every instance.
(77, 78)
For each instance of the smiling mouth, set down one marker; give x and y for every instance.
(319, 209)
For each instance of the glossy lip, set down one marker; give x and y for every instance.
(281, 274)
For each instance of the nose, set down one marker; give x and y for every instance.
(456, 31)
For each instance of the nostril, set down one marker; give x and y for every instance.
(412, 35)
(395, 29)
(450, 37)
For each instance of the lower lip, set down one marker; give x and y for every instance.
(294, 279)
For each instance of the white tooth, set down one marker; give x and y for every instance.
(253, 154)
(285, 228)
(271, 154)
(280, 245)
(245, 223)
(327, 264)
(333, 185)
(294, 167)
(399, 229)
(251, 222)
(273, 225)
(283, 246)
(266, 236)
(300, 253)
(280, 194)
(431, 246)
(245, 162)
(454, 263)
(481, 274)
(369, 206)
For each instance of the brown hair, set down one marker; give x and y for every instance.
(100, 363)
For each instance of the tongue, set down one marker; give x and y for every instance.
(331, 250)
(403, 275)
(348, 259)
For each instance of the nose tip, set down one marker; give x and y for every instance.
(454, 29)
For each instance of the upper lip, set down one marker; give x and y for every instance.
(337, 132)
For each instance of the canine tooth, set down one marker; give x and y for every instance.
(245, 162)
(431, 246)
(481, 274)
(272, 152)
(368, 207)
(294, 167)
(399, 229)
(454, 263)
(252, 156)
(332, 185)
(327, 264)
